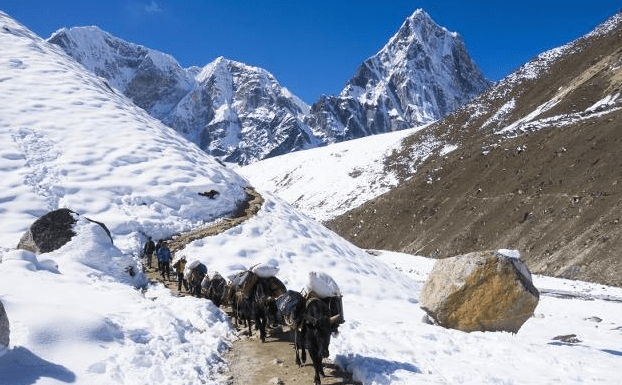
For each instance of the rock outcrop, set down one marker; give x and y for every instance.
(4, 329)
(481, 291)
(51, 231)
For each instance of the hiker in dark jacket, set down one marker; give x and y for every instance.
(148, 251)
(164, 256)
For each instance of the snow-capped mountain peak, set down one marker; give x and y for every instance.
(422, 74)
(420, 32)
(112, 58)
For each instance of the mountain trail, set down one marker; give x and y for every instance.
(250, 360)
(272, 362)
(246, 210)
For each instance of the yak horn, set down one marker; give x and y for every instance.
(334, 320)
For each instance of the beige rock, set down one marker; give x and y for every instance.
(481, 291)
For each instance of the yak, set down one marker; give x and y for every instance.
(263, 307)
(216, 289)
(255, 305)
(194, 276)
(313, 321)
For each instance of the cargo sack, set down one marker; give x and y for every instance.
(264, 270)
(323, 285)
(276, 288)
(290, 307)
(243, 282)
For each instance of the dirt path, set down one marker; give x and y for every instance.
(272, 363)
(250, 360)
(246, 210)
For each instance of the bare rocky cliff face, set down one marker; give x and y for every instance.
(534, 164)
(241, 113)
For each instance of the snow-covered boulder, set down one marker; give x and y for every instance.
(52, 231)
(480, 291)
(4, 330)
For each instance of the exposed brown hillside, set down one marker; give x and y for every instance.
(550, 188)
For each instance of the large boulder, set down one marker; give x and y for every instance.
(52, 231)
(4, 330)
(481, 291)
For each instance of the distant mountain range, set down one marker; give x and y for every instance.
(242, 114)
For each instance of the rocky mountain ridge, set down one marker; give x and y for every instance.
(233, 111)
(241, 113)
(532, 164)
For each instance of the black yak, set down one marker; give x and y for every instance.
(313, 321)
(253, 299)
(216, 289)
(314, 334)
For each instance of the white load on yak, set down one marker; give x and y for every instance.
(263, 270)
(245, 281)
(292, 304)
(324, 287)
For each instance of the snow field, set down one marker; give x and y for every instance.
(77, 317)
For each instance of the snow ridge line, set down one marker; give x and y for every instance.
(246, 210)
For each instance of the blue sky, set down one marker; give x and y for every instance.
(314, 47)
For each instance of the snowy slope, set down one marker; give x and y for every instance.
(352, 173)
(71, 141)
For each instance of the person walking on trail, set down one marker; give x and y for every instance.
(148, 251)
(180, 266)
(157, 247)
(164, 255)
